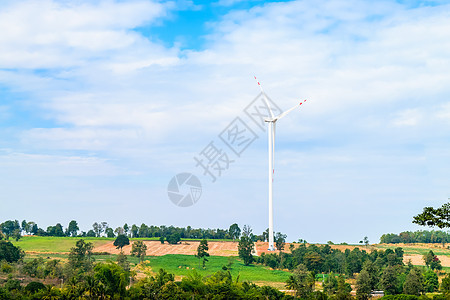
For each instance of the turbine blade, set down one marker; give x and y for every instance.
(288, 111)
(265, 98)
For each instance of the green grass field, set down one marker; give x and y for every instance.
(54, 244)
(181, 265)
(412, 249)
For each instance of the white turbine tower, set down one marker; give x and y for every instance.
(272, 120)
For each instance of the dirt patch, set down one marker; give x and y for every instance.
(417, 260)
(155, 248)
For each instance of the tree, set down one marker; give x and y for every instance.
(280, 240)
(413, 283)
(80, 256)
(123, 261)
(430, 216)
(9, 252)
(8, 228)
(109, 232)
(173, 238)
(302, 281)
(113, 278)
(445, 284)
(139, 249)
(366, 241)
(97, 229)
(432, 261)
(126, 228)
(72, 229)
(431, 282)
(389, 281)
(246, 246)
(134, 231)
(202, 251)
(234, 231)
(24, 225)
(121, 241)
(363, 285)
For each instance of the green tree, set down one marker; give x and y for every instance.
(134, 231)
(126, 228)
(139, 249)
(413, 283)
(173, 238)
(202, 251)
(121, 241)
(431, 282)
(123, 261)
(9, 252)
(445, 284)
(280, 241)
(363, 285)
(246, 246)
(72, 229)
(432, 261)
(389, 281)
(80, 256)
(112, 278)
(9, 227)
(109, 232)
(430, 216)
(343, 289)
(234, 231)
(302, 281)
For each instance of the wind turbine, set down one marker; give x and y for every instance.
(272, 121)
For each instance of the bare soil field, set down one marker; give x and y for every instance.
(155, 248)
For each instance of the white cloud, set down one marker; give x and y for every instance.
(375, 74)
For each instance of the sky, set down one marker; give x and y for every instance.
(103, 102)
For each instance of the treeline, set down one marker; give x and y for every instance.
(80, 277)
(420, 236)
(15, 229)
(324, 259)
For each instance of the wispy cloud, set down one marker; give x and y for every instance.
(375, 74)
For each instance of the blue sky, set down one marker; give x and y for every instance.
(103, 102)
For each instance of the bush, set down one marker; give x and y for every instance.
(6, 268)
(34, 286)
(173, 239)
(12, 284)
(9, 252)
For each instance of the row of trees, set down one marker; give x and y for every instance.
(398, 279)
(420, 236)
(324, 259)
(14, 228)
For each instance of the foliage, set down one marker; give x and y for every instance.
(173, 238)
(431, 282)
(234, 231)
(420, 236)
(202, 251)
(363, 285)
(389, 281)
(72, 229)
(280, 240)
(432, 261)
(302, 281)
(246, 246)
(80, 256)
(414, 283)
(139, 249)
(9, 252)
(121, 241)
(430, 216)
